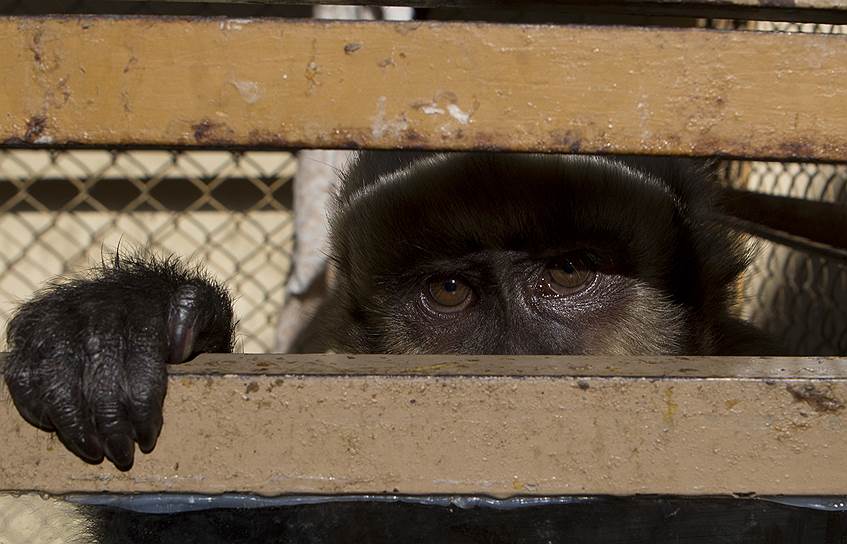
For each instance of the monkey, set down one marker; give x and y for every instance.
(455, 252)
(535, 254)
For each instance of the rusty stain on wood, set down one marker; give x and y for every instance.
(486, 425)
(816, 396)
(178, 81)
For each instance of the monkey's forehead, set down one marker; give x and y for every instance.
(682, 179)
(505, 200)
(426, 206)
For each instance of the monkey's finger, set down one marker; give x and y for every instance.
(48, 394)
(103, 386)
(115, 430)
(63, 405)
(147, 383)
(22, 384)
(77, 434)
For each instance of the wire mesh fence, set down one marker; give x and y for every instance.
(798, 297)
(66, 211)
(804, 28)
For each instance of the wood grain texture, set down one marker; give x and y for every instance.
(498, 426)
(275, 83)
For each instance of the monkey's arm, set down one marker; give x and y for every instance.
(87, 357)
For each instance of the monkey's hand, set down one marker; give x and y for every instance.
(88, 357)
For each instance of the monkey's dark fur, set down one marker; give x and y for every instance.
(88, 357)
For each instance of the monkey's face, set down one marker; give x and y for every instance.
(521, 254)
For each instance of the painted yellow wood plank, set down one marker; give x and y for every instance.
(499, 426)
(178, 81)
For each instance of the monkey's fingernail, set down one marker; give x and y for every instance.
(147, 440)
(120, 450)
(87, 448)
(147, 433)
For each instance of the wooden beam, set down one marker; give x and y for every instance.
(660, 13)
(497, 426)
(200, 82)
(787, 239)
(668, 14)
(821, 222)
(772, 4)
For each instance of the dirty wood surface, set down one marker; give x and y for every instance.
(500, 426)
(277, 83)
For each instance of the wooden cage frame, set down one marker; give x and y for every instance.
(489, 425)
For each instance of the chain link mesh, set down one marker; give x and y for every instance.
(797, 297)
(61, 212)
(804, 28)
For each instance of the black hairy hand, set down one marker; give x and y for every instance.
(88, 356)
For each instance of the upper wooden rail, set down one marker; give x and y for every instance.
(774, 7)
(215, 82)
(498, 426)
(774, 4)
(602, 11)
(819, 11)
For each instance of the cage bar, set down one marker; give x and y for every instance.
(776, 5)
(500, 426)
(803, 10)
(154, 81)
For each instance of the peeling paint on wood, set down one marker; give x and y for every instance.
(202, 82)
(499, 426)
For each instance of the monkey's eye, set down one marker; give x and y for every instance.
(448, 294)
(567, 276)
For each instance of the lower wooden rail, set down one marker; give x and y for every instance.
(497, 426)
